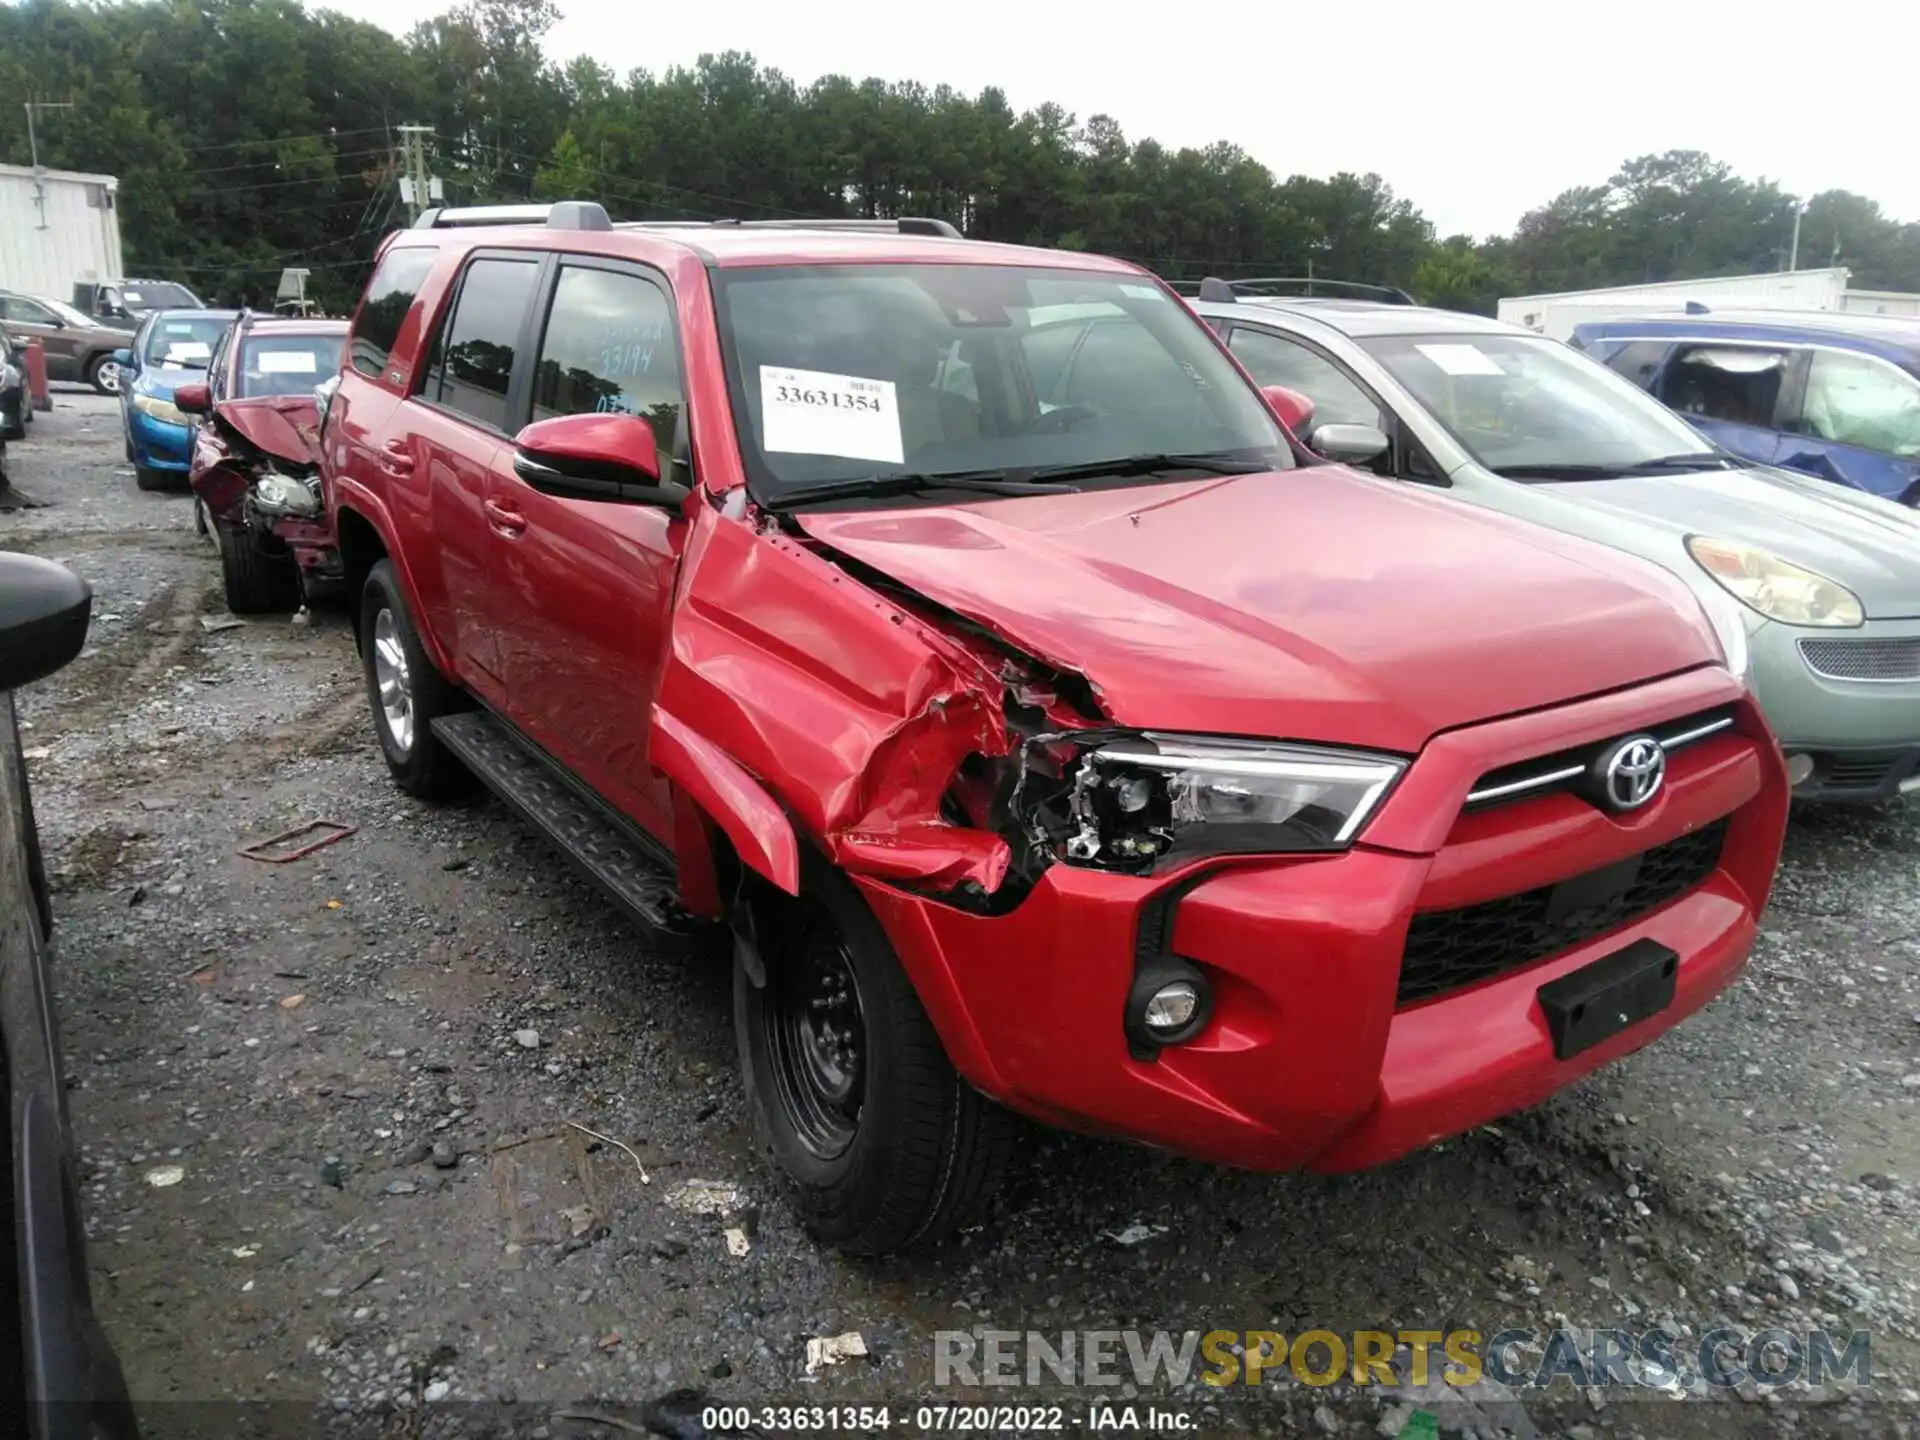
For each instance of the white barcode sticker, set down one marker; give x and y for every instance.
(812, 412)
(1460, 359)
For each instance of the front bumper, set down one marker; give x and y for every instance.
(1862, 736)
(1310, 1058)
(157, 444)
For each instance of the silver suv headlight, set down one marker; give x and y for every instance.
(1778, 589)
(1151, 797)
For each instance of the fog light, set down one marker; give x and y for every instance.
(1799, 770)
(1170, 1002)
(1172, 1007)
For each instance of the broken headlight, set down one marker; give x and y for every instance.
(1142, 799)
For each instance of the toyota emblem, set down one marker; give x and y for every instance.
(1631, 773)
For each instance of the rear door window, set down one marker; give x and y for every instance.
(472, 364)
(390, 294)
(1861, 400)
(1736, 384)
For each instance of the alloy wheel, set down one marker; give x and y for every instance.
(393, 679)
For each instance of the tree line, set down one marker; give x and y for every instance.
(252, 134)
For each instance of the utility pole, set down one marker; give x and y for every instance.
(1793, 255)
(33, 149)
(417, 186)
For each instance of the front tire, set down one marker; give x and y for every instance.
(883, 1146)
(255, 582)
(407, 693)
(103, 375)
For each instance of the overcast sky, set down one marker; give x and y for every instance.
(1477, 111)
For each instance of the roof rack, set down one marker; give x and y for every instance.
(1226, 291)
(561, 215)
(903, 225)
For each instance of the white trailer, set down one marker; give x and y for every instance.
(1556, 315)
(57, 229)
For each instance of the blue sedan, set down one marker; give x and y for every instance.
(170, 349)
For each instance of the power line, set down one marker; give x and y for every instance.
(281, 139)
(313, 160)
(276, 185)
(605, 177)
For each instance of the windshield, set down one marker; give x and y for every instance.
(849, 373)
(67, 313)
(184, 342)
(1518, 402)
(287, 364)
(158, 295)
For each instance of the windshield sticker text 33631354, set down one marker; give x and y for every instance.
(813, 412)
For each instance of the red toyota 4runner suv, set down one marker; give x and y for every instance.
(957, 623)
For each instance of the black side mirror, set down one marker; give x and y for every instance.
(44, 610)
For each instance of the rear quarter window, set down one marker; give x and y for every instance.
(390, 294)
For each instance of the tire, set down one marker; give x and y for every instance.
(103, 375)
(390, 650)
(253, 579)
(14, 427)
(923, 1151)
(149, 479)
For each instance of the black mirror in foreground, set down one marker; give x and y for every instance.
(44, 610)
(595, 457)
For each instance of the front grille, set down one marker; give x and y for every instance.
(1893, 659)
(1447, 949)
(1858, 772)
(1546, 774)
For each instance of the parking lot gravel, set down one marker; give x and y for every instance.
(417, 1122)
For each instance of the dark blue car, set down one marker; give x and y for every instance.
(1833, 395)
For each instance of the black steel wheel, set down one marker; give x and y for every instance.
(816, 1037)
(882, 1144)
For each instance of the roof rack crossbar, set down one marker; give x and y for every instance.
(561, 215)
(1224, 291)
(903, 225)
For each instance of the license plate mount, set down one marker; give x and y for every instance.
(1614, 993)
(1591, 891)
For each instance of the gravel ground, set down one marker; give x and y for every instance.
(361, 1073)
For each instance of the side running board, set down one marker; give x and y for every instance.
(632, 871)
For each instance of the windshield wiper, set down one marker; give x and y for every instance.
(984, 482)
(1663, 465)
(1698, 460)
(1216, 463)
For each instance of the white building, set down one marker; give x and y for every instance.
(1556, 315)
(57, 227)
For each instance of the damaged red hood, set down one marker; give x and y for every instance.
(1314, 604)
(286, 426)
